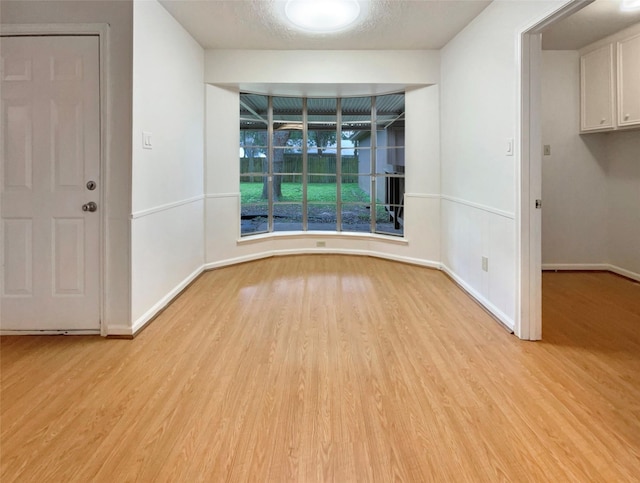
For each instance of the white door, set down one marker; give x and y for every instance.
(50, 146)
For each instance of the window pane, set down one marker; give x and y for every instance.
(287, 121)
(253, 115)
(321, 189)
(287, 217)
(287, 160)
(254, 217)
(390, 111)
(322, 217)
(253, 165)
(390, 161)
(386, 220)
(253, 144)
(355, 190)
(322, 126)
(321, 164)
(287, 188)
(350, 161)
(390, 204)
(356, 110)
(356, 217)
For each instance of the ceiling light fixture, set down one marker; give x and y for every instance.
(322, 16)
(629, 5)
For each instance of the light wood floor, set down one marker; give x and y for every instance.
(332, 368)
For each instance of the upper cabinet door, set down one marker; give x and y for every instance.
(629, 81)
(597, 90)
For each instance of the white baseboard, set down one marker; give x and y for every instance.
(159, 306)
(625, 273)
(507, 321)
(601, 267)
(312, 251)
(575, 266)
(49, 332)
(119, 330)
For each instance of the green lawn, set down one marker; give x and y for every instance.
(320, 192)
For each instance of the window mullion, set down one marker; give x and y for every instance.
(270, 164)
(373, 210)
(305, 138)
(339, 164)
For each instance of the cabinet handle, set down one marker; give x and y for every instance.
(602, 121)
(626, 116)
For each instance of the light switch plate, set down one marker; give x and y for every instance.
(509, 147)
(547, 149)
(147, 142)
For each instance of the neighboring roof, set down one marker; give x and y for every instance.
(356, 111)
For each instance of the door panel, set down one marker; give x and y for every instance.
(18, 256)
(50, 150)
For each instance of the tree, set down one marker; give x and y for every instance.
(280, 138)
(319, 139)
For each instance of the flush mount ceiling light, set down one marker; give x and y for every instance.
(628, 5)
(322, 16)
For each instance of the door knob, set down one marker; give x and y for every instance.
(91, 206)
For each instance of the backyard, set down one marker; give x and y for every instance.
(321, 203)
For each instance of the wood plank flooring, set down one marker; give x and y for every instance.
(334, 368)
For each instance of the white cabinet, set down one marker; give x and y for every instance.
(597, 90)
(629, 81)
(610, 83)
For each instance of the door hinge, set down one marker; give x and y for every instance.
(538, 204)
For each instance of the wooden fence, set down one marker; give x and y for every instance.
(317, 164)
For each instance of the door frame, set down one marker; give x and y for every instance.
(101, 30)
(528, 173)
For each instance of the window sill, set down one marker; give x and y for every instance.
(292, 235)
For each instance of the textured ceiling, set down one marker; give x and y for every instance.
(594, 22)
(389, 24)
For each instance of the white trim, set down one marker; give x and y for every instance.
(423, 195)
(168, 206)
(495, 311)
(102, 31)
(293, 235)
(120, 330)
(53, 29)
(528, 323)
(600, 267)
(50, 332)
(625, 273)
(576, 266)
(222, 195)
(486, 208)
(162, 303)
(323, 251)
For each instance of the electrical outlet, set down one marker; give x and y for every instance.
(321, 244)
(485, 264)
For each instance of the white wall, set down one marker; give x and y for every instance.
(119, 16)
(574, 177)
(255, 70)
(329, 67)
(479, 112)
(167, 227)
(590, 183)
